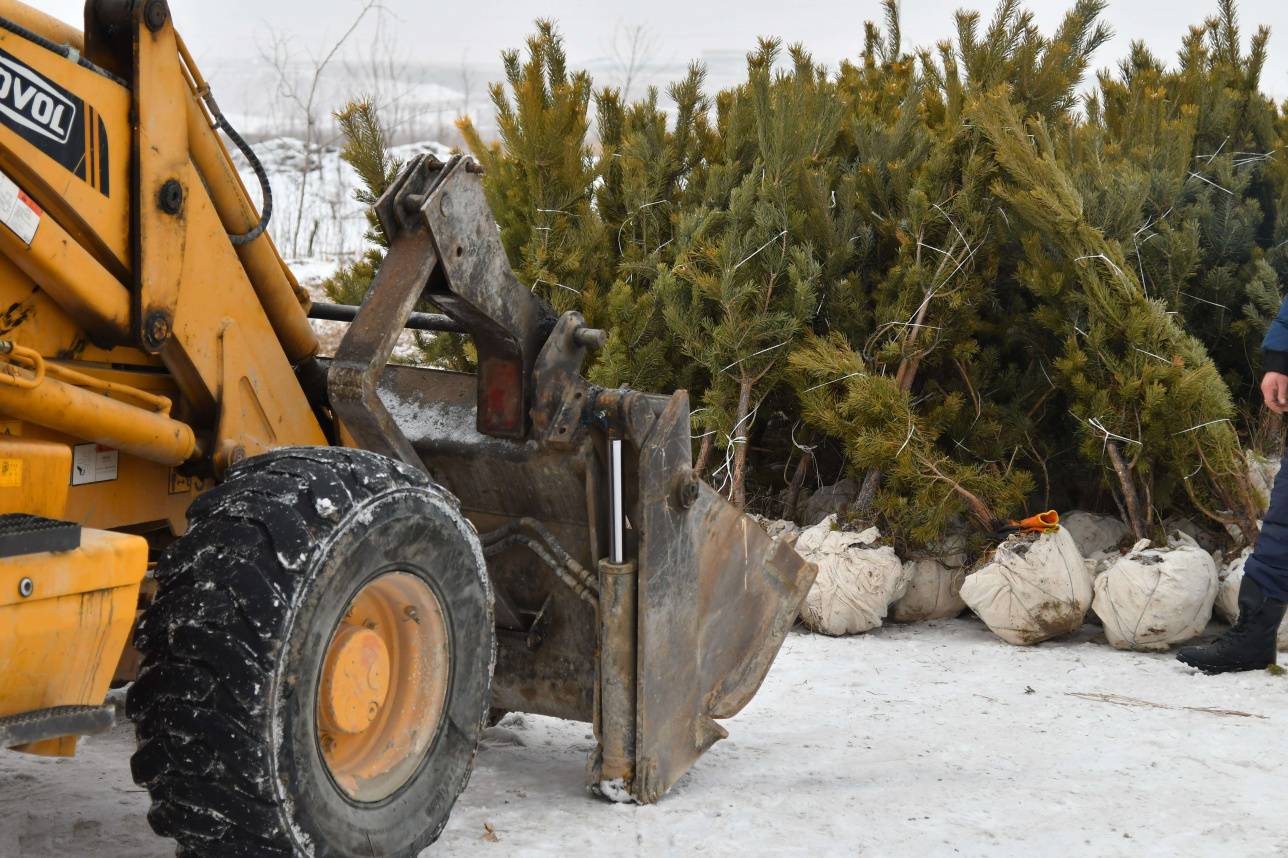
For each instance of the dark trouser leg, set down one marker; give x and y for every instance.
(1251, 643)
(1268, 564)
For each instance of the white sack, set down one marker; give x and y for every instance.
(1097, 537)
(1227, 596)
(857, 579)
(934, 592)
(1035, 588)
(1228, 579)
(1152, 598)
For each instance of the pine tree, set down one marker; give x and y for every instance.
(1177, 166)
(1134, 377)
(539, 176)
(993, 293)
(744, 286)
(924, 485)
(647, 183)
(920, 171)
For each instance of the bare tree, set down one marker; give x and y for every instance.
(388, 79)
(467, 86)
(303, 92)
(632, 48)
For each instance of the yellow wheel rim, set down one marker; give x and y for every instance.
(383, 688)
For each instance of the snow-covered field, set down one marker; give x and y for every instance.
(932, 739)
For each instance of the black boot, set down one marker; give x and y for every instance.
(1251, 644)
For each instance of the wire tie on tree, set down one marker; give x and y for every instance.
(1212, 157)
(1108, 262)
(1201, 425)
(539, 281)
(757, 354)
(833, 381)
(912, 430)
(1095, 423)
(1151, 354)
(1212, 183)
(1205, 301)
(758, 249)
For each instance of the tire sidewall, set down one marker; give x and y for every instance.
(407, 530)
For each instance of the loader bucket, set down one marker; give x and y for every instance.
(717, 597)
(628, 593)
(679, 636)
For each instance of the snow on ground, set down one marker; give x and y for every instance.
(932, 739)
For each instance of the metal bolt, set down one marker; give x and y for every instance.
(445, 205)
(156, 329)
(686, 489)
(593, 339)
(412, 614)
(328, 743)
(373, 709)
(155, 14)
(413, 203)
(26, 587)
(237, 455)
(170, 199)
(474, 167)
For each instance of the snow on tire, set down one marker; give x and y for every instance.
(250, 601)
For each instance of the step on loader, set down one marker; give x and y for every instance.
(340, 567)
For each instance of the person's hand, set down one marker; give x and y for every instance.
(1274, 387)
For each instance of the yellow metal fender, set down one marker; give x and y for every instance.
(64, 620)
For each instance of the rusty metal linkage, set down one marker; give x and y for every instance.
(547, 548)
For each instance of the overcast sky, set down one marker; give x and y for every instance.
(477, 31)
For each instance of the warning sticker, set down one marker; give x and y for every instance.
(93, 463)
(18, 211)
(179, 484)
(10, 473)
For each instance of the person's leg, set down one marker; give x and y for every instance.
(1268, 563)
(1252, 643)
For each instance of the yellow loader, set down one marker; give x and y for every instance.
(322, 575)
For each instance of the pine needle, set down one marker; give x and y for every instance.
(1134, 702)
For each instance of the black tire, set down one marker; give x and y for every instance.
(248, 600)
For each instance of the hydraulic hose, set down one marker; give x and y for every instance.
(202, 89)
(224, 125)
